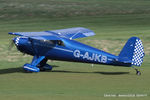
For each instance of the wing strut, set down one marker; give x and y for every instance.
(74, 35)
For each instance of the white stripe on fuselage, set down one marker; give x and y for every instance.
(63, 49)
(95, 57)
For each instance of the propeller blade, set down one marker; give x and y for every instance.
(11, 45)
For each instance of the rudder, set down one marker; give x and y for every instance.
(134, 51)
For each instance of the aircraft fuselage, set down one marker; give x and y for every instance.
(78, 52)
(71, 50)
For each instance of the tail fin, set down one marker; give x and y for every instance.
(134, 51)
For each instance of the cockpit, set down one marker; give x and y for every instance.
(53, 42)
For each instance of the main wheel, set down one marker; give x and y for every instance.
(30, 68)
(26, 71)
(46, 67)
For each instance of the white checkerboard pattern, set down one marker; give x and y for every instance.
(138, 53)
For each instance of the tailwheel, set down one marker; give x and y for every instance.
(137, 71)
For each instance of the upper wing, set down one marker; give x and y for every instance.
(53, 37)
(29, 34)
(73, 33)
(70, 33)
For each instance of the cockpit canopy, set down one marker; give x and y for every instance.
(53, 42)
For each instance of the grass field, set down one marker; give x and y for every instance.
(113, 21)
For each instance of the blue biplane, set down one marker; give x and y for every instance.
(60, 45)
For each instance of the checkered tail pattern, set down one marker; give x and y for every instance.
(138, 53)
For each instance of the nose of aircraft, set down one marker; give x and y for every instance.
(16, 40)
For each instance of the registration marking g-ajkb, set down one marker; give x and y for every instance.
(90, 56)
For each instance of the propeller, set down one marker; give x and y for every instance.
(11, 44)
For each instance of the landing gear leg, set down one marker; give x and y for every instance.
(32, 67)
(137, 71)
(43, 66)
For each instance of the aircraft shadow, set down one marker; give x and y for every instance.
(15, 70)
(11, 70)
(21, 70)
(105, 73)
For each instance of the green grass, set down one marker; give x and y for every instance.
(76, 81)
(66, 8)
